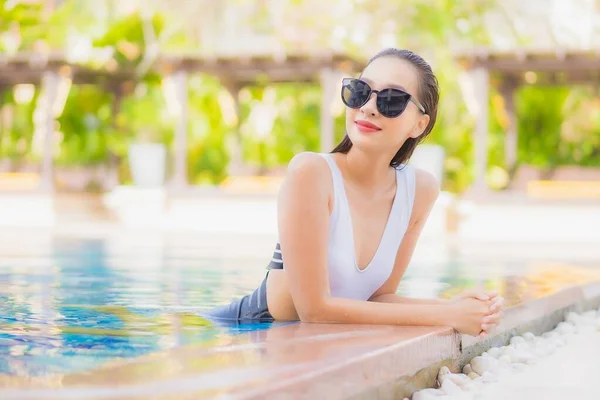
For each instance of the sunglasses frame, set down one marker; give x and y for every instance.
(345, 81)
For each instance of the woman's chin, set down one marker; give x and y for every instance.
(367, 142)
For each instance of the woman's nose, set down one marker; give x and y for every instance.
(370, 107)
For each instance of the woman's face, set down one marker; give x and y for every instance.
(367, 128)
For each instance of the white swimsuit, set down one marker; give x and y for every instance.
(345, 278)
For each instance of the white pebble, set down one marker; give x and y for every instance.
(516, 340)
(488, 377)
(550, 335)
(461, 380)
(483, 364)
(494, 352)
(473, 375)
(521, 355)
(585, 319)
(528, 336)
(573, 318)
(509, 351)
(467, 369)
(444, 371)
(449, 387)
(505, 359)
(521, 347)
(525, 358)
(565, 328)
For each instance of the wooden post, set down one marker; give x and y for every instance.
(50, 82)
(511, 134)
(327, 121)
(3, 89)
(481, 85)
(236, 163)
(113, 159)
(180, 176)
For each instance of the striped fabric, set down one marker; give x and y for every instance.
(277, 259)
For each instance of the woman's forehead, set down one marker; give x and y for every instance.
(388, 72)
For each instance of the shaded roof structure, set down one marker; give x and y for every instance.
(247, 70)
(28, 67)
(559, 67)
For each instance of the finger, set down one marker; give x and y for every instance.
(498, 304)
(487, 327)
(492, 294)
(493, 319)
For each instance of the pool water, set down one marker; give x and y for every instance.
(77, 304)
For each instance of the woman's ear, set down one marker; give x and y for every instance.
(420, 126)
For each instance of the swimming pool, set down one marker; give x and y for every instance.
(76, 304)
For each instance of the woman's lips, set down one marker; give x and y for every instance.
(366, 127)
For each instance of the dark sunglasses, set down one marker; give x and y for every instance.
(391, 102)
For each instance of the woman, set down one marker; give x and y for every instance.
(349, 220)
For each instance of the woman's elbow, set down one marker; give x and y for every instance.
(315, 313)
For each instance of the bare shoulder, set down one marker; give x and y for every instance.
(308, 168)
(427, 186)
(307, 161)
(427, 190)
(304, 194)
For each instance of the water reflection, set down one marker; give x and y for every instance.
(82, 303)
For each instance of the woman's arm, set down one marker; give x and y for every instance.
(303, 219)
(426, 192)
(394, 298)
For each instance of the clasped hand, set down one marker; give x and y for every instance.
(478, 311)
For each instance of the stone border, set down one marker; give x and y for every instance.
(372, 374)
(355, 379)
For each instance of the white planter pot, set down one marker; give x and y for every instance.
(430, 157)
(147, 162)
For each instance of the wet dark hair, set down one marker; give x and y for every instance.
(428, 96)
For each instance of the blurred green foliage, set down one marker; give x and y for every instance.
(557, 126)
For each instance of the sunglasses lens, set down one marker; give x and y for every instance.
(355, 93)
(392, 102)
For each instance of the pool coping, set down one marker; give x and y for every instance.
(536, 316)
(302, 361)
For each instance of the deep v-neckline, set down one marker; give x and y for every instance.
(347, 203)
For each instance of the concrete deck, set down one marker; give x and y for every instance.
(217, 211)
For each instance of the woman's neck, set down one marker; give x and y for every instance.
(367, 170)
